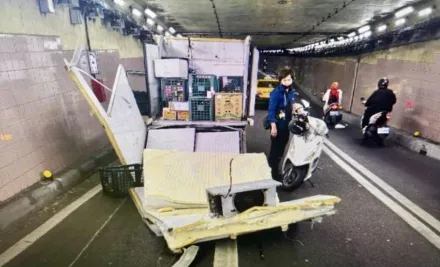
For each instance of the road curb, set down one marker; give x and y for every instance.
(397, 136)
(36, 198)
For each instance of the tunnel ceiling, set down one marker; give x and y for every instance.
(271, 17)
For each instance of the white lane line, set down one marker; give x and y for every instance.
(396, 208)
(422, 214)
(97, 233)
(31, 238)
(226, 253)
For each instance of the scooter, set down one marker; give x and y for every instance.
(377, 128)
(303, 154)
(332, 115)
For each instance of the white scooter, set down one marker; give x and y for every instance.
(304, 152)
(377, 128)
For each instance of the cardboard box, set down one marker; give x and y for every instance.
(168, 114)
(228, 106)
(183, 115)
(179, 106)
(171, 68)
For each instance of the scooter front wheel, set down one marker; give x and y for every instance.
(293, 177)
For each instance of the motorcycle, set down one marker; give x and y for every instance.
(333, 116)
(377, 128)
(303, 153)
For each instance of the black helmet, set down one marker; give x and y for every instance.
(383, 83)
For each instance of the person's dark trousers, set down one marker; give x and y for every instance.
(277, 147)
(367, 115)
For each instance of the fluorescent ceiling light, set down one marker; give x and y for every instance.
(425, 12)
(167, 34)
(136, 12)
(179, 35)
(381, 28)
(150, 22)
(400, 22)
(150, 13)
(332, 40)
(145, 27)
(353, 34)
(120, 2)
(364, 29)
(340, 38)
(404, 12)
(159, 28)
(172, 30)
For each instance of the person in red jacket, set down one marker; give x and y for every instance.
(333, 95)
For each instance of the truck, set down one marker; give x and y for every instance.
(220, 191)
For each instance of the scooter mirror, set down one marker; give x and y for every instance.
(305, 103)
(362, 99)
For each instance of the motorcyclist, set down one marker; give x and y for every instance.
(383, 99)
(331, 96)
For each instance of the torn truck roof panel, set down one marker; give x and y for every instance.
(122, 120)
(178, 177)
(182, 228)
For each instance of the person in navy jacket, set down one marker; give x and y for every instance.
(279, 116)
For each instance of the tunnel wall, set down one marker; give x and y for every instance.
(413, 70)
(45, 123)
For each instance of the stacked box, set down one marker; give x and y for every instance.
(168, 114)
(183, 115)
(200, 85)
(201, 109)
(228, 106)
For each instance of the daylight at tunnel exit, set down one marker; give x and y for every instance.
(219, 133)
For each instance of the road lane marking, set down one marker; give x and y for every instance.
(31, 238)
(97, 233)
(226, 253)
(422, 214)
(395, 207)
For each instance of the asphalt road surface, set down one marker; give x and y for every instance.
(375, 225)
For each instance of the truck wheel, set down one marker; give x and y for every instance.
(293, 176)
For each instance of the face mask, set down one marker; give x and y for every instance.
(287, 85)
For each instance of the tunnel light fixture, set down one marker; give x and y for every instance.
(150, 22)
(366, 34)
(400, 22)
(353, 34)
(136, 12)
(363, 29)
(120, 2)
(150, 13)
(404, 12)
(381, 28)
(425, 12)
(171, 30)
(159, 28)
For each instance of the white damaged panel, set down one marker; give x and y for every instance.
(227, 142)
(171, 139)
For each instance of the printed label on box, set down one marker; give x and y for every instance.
(200, 108)
(201, 88)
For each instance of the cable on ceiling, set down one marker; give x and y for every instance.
(319, 23)
(216, 17)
